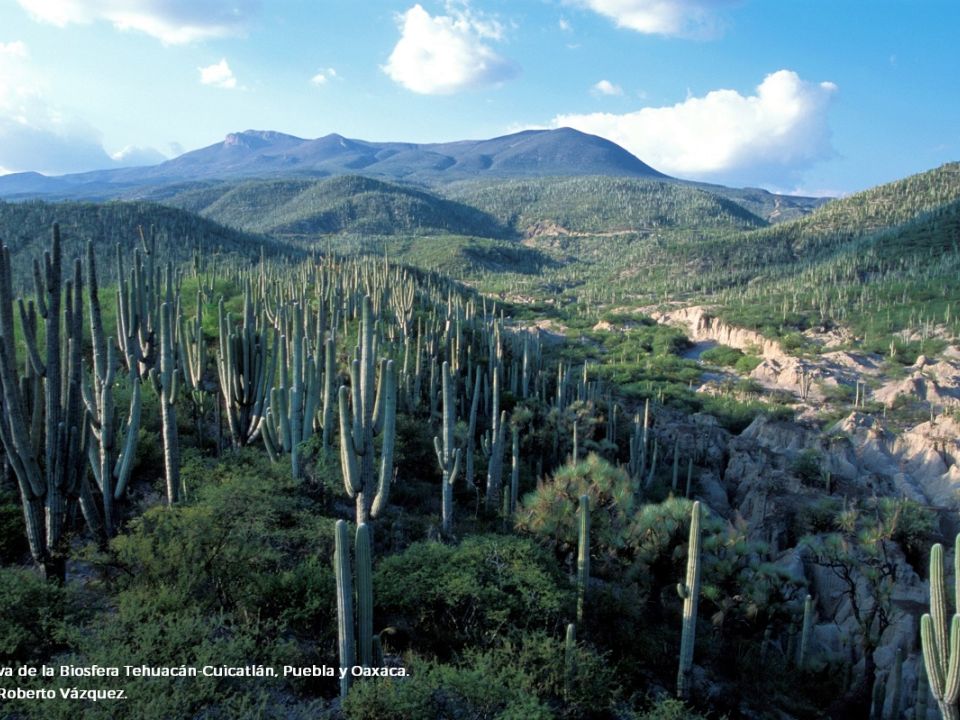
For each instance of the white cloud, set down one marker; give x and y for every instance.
(133, 156)
(605, 87)
(219, 75)
(172, 21)
(17, 48)
(447, 53)
(768, 136)
(35, 133)
(324, 76)
(684, 18)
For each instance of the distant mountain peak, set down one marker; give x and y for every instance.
(561, 152)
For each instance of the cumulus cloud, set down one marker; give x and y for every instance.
(605, 87)
(447, 53)
(172, 21)
(219, 75)
(767, 136)
(35, 133)
(683, 18)
(324, 76)
(135, 156)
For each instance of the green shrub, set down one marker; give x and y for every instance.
(33, 616)
(474, 594)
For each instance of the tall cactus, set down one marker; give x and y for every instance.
(111, 467)
(363, 416)
(689, 591)
(46, 451)
(942, 660)
(364, 572)
(306, 386)
(447, 456)
(167, 384)
(344, 580)
(583, 555)
(246, 363)
(806, 632)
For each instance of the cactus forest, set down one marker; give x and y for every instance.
(335, 480)
(311, 427)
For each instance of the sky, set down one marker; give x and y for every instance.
(822, 97)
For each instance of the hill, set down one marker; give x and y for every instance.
(25, 228)
(601, 205)
(348, 204)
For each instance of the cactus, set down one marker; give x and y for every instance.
(341, 560)
(806, 632)
(583, 555)
(447, 457)
(111, 469)
(942, 660)
(569, 659)
(46, 451)
(675, 474)
(494, 445)
(514, 469)
(292, 411)
(361, 418)
(166, 382)
(364, 571)
(246, 367)
(689, 591)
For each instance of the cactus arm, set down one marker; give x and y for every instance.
(348, 458)
(389, 438)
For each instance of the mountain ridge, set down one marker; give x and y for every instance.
(268, 154)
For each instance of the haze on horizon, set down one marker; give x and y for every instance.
(813, 98)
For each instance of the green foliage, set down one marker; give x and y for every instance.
(721, 355)
(34, 617)
(518, 679)
(475, 594)
(247, 542)
(668, 709)
(807, 467)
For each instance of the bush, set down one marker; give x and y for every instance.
(723, 355)
(33, 617)
(474, 594)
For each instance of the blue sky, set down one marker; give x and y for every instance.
(815, 96)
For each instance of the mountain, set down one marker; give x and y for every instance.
(266, 154)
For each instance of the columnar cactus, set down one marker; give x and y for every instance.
(306, 385)
(364, 571)
(111, 468)
(569, 659)
(167, 384)
(246, 366)
(363, 416)
(583, 555)
(689, 591)
(942, 660)
(447, 456)
(344, 580)
(805, 633)
(46, 451)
